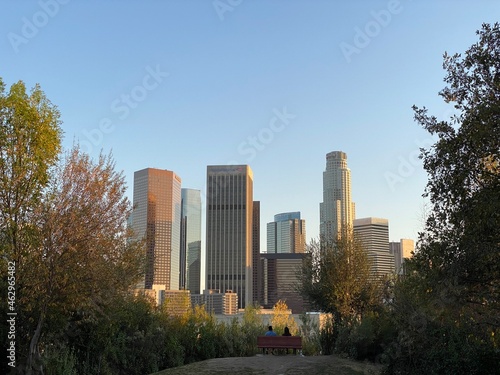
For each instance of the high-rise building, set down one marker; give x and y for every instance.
(337, 210)
(256, 274)
(157, 219)
(190, 240)
(374, 234)
(229, 230)
(286, 234)
(280, 274)
(401, 250)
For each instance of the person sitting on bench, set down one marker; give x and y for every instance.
(270, 332)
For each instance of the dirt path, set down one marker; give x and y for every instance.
(276, 365)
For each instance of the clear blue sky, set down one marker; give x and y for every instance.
(180, 85)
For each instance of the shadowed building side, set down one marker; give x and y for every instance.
(229, 230)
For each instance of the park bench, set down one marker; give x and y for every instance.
(273, 343)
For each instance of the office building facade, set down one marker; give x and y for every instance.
(229, 230)
(337, 211)
(157, 219)
(286, 234)
(256, 275)
(280, 274)
(190, 240)
(401, 250)
(374, 234)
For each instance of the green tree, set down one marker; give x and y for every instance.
(452, 291)
(337, 279)
(30, 142)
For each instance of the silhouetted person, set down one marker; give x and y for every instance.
(287, 332)
(270, 332)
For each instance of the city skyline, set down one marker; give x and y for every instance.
(311, 77)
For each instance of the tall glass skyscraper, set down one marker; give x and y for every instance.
(191, 240)
(229, 230)
(157, 219)
(337, 211)
(286, 234)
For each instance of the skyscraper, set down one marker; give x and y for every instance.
(286, 234)
(157, 218)
(229, 230)
(374, 234)
(401, 251)
(190, 240)
(337, 209)
(256, 274)
(280, 279)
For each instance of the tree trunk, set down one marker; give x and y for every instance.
(34, 354)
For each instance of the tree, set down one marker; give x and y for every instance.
(30, 142)
(281, 319)
(85, 254)
(453, 285)
(461, 241)
(337, 279)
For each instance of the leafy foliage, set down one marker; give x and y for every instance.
(448, 307)
(337, 279)
(281, 318)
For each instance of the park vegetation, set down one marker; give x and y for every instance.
(443, 315)
(70, 260)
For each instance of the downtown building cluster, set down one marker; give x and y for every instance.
(167, 218)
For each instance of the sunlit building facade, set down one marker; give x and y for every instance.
(157, 219)
(337, 211)
(401, 251)
(374, 234)
(286, 234)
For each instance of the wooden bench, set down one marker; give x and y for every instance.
(267, 343)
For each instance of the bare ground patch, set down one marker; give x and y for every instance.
(277, 365)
